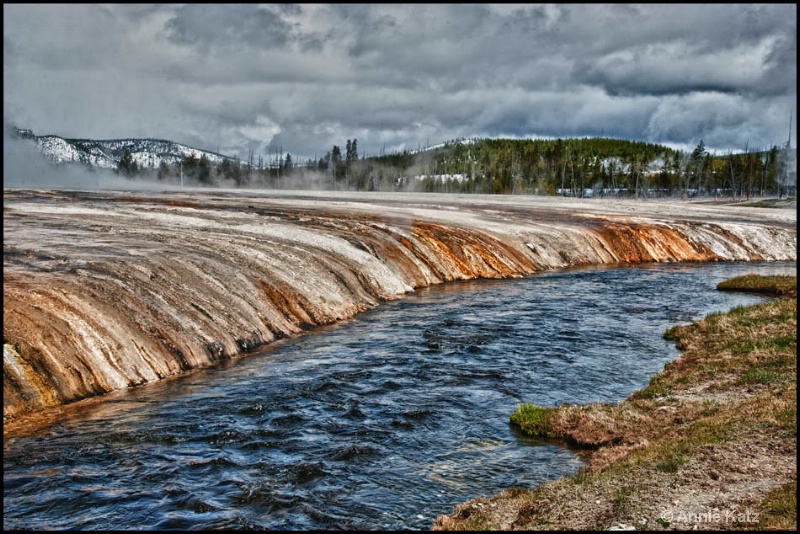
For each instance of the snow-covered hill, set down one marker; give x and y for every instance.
(107, 153)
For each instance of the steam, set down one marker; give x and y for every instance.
(24, 166)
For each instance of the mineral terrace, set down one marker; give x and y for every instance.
(104, 290)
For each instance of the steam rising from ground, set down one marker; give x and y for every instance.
(24, 165)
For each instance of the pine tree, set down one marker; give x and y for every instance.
(351, 151)
(288, 165)
(163, 170)
(336, 163)
(204, 170)
(696, 162)
(126, 164)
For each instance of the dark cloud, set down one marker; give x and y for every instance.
(247, 77)
(230, 26)
(92, 32)
(778, 79)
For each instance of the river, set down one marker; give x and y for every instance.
(383, 421)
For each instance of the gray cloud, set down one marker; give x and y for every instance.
(230, 27)
(248, 77)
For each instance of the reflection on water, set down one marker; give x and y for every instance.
(380, 422)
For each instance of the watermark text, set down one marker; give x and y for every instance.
(709, 516)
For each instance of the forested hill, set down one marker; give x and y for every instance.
(587, 167)
(566, 166)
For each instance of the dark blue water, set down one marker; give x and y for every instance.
(381, 422)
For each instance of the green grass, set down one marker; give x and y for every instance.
(759, 376)
(778, 285)
(535, 420)
(779, 508)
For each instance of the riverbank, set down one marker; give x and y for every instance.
(710, 443)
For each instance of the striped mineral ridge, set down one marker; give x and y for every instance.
(104, 290)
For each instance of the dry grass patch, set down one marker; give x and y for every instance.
(779, 508)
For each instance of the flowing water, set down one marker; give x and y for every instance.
(383, 421)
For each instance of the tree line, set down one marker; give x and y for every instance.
(569, 167)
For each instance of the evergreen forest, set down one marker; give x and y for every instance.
(584, 167)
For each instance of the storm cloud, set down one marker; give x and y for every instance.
(241, 78)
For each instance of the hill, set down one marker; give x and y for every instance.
(107, 153)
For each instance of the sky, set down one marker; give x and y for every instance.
(236, 78)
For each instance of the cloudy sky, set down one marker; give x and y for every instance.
(236, 78)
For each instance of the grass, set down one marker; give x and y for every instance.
(781, 508)
(534, 420)
(770, 285)
(718, 423)
(770, 203)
